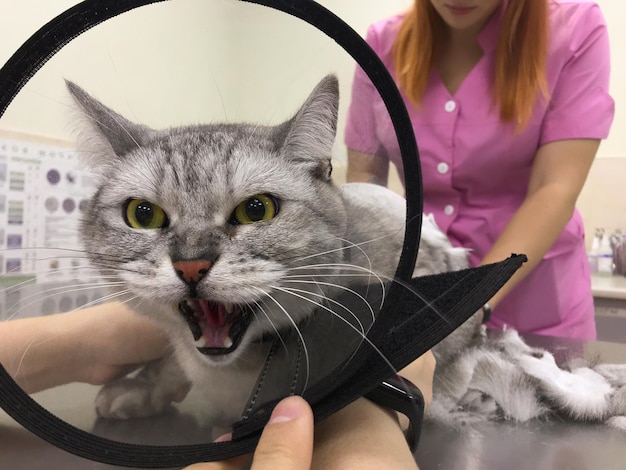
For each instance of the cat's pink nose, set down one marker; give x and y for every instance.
(192, 271)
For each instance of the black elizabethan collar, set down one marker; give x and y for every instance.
(407, 326)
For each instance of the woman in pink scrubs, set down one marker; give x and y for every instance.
(508, 118)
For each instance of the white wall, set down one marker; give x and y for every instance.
(189, 61)
(182, 61)
(615, 14)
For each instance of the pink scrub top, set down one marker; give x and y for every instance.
(476, 169)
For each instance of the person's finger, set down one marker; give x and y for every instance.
(237, 463)
(287, 440)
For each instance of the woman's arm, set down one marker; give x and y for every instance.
(94, 345)
(558, 175)
(364, 168)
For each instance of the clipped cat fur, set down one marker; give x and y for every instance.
(225, 234)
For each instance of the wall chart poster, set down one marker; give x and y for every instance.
(42, 194)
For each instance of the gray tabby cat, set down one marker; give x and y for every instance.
(226, 233)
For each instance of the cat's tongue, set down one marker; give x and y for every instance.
(216, 331)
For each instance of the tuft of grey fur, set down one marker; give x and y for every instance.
(330, 236)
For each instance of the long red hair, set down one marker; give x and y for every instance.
(521, 54)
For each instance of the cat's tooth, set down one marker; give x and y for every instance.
(229, 309)
(228, 342)
(200, 342)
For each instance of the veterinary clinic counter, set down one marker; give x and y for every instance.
(609, 287)
(609, 297)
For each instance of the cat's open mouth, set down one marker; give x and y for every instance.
(216, 328)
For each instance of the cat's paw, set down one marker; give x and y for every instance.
(129, 398)
(479, 403)
(150, 392)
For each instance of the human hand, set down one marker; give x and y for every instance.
(94, 345)
(421, 372)
(286, 442)
(111, 341)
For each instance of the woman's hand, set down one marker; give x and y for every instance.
(114, 341)
(94, 345)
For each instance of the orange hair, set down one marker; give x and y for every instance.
(521, 54)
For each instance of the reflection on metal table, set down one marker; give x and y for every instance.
(539, 444)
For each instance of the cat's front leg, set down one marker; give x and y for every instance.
(150, 392)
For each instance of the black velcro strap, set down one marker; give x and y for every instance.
(427, 310)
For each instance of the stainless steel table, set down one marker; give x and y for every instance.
(491, 446)
(538, 445)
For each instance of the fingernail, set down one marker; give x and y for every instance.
(288, 409)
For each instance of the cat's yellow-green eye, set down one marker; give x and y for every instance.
(142, 214)
(258, 208)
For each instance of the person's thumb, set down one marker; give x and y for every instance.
(287, 440)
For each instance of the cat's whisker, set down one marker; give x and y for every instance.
(347, 267)
(333, 268)
(109, 257)
(76, 251)
(283, 255)
(298, 332)
(18, 286)
(35, 339)
(340, 287)
(54, 287)
(219, 94)
(333, 274)
(406, 285)
(351, 245)
(114, 268)
(428, 303)
(294, 291)
(110, 297)
(50, 273)
(35, 298)
(363, 252)
(116, 294)
(46, 249)
(280, 337)
(364, 337)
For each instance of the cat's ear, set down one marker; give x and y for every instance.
(104, 135)
(310, 134)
